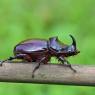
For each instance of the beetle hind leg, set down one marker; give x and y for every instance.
(9, 59)
(66, 63)
(18, 56)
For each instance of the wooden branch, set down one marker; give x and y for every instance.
(48, 74)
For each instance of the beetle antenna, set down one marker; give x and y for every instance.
(74, 41)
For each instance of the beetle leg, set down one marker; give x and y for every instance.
(37, 66)
(66, 63)
(10, 58)
(18, 56)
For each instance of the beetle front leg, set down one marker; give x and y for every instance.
(66, 63)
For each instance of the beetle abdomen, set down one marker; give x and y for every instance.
(31, 46)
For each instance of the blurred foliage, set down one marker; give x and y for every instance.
(24, 19)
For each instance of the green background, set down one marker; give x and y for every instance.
(24, 19)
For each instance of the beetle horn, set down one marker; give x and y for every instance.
(74, 41)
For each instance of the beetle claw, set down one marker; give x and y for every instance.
(0, 63)
(69, 65)
(32, 75)
(73, 69)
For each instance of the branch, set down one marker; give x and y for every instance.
(48, 74)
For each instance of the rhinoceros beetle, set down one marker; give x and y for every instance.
(40, 51)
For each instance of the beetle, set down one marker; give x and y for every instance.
(41, 51)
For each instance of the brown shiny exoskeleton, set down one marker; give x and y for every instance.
(41, 51)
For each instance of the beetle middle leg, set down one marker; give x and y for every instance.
(66, 63)
(38, 65)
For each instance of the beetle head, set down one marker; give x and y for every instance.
(72, 50)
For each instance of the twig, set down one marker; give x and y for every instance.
(48, 74)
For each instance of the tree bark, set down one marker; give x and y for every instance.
(48, 74)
